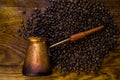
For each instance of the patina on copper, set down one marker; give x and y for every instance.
(37, 59)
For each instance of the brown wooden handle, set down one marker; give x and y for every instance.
(77, 36)
(83, 34)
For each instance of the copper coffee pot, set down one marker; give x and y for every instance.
(37, 60)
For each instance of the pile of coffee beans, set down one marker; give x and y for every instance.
(61, 19)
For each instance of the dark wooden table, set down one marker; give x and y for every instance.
(12, 47)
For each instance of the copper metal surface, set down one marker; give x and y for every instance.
(37, 59)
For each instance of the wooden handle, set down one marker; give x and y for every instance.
(83, 34)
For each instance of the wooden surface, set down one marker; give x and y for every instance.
(12, 47)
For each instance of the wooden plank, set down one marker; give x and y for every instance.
(13, 48)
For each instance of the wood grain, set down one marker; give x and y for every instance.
(13, 48)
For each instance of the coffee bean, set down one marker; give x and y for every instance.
(63, 18)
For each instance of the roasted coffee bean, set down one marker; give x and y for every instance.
(63, 18)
